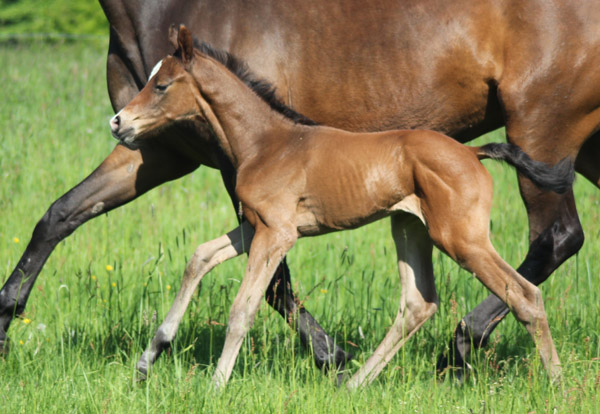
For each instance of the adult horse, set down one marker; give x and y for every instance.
(463, 68)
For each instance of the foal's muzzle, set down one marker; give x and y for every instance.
(115, 123)
(123, 134)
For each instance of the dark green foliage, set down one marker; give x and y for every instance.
(71, 17)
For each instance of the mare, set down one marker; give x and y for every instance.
(290, 186)
(462, 67)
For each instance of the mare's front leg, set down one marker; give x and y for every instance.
(206, 257)
(269, 247)
(124, 175)
(327, 353)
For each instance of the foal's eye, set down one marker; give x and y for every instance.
(161, 88)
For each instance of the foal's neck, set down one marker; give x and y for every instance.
(243, 123)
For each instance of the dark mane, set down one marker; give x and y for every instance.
(261, 87)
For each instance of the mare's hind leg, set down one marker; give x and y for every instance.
(418, 301)
(548, 129)
(588, 160)
(206, 257)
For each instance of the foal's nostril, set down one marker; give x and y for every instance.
(115, 121)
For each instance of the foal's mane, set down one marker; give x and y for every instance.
(264, 89)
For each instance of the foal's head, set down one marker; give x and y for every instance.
(168, 97)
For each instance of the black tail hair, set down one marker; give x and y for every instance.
(558, 178)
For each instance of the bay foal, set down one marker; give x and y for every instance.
(297, 180)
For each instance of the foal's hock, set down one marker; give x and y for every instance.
(296, 180)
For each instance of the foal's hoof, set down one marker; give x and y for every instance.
(556, 375)
(4, 346)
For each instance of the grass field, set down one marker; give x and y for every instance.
(106, 288)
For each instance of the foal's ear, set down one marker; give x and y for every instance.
(173, 31)
(185, 44)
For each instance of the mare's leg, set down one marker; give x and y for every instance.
(124, 175)
(588, 160)
(548, 130)
(280, 296)
(418, 301)
(267, 250)
(207, 256)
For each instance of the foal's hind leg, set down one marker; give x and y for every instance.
(418, 301)
(471, 248)
(522, 297)
(207, 256)
(548, 129)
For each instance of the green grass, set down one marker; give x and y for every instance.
(75, 348)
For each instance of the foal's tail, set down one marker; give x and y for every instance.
(558, 178)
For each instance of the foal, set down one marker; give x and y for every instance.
(296, 180)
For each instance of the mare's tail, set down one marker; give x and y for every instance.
(558, 178)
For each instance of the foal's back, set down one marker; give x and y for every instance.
(342, 180)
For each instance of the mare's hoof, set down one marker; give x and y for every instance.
(142, 374)
(458, 374)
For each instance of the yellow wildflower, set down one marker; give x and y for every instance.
(93, 277)
(21, 342)
(109, 268)
(114, 284)
(323, 290)
(16, 240)
(168, 287)
(26, 321)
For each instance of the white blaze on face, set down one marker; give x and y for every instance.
(155, 69)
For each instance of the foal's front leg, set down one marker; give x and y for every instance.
(206, 256)
(267, 250)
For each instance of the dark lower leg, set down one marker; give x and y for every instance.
(281, 297)
(123, 176)
(548, 251)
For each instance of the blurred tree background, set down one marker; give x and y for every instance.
(66, 17)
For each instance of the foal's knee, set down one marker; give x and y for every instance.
(200, 260)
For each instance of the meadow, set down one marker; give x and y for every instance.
(105, 289)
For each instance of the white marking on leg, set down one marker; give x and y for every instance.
(97, 207)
